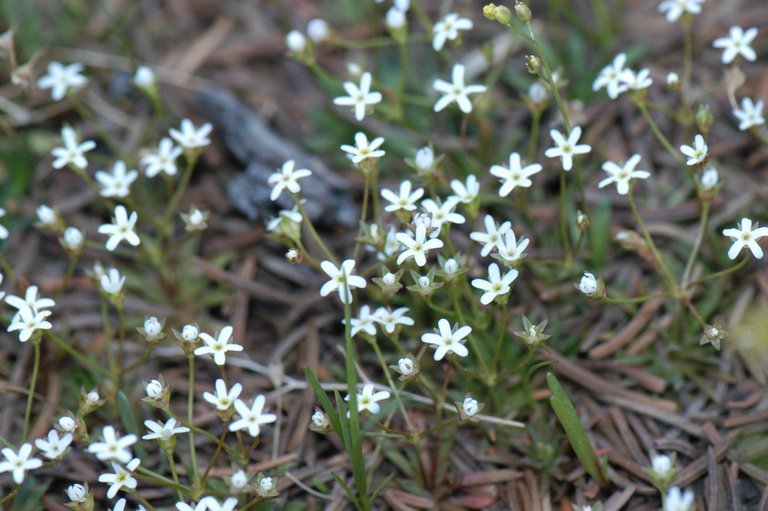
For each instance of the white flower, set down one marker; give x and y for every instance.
(496, 285)
(112, 282)
(406, 366)
(613, 77)
(320, 420)
(404, 200)
(112, 448)
(678, 501)
(60, 79)
(588, 284)
(191, 137)
(153, 327)
(450, 266)
(266, 484)
(317, 30)
(441, 213)
(73, 152)
(363, 150)
(120, 478)
(448, 29)
(154, 389)
(223, 398)
(709, 178)
(446, 340)
(662, 466)
(492, 235)
(737, 44)
(418, 246)
(515, 175)
(456, 91)
(676, 8)
(750, 114)
(27, 322)
(239, 480)
(144, 77)
(470, 406)
(201, 506)
(360, 97)
(295, 41)
(566, 149)
(511, 250)
(252, 418)
(341, 279)
(77, 493)
(364, 322)
(164, 160)
(46, 215)
(673, 79)
(395, 18)
(696, 154)
(214, 505)
(19, 463)
(72, 239)
(638, 81)
(425, 159)
(54, 447)
(745, 236)
(390, 319)
(121, 229)
(92, 397)
(367, 400)
(190, 333)
(219, 346)
(286, 178)
(67, 423)
(622, 175)
(196, 219)
(465, 192)
(30, 301)
(116, 184)
(160, 431)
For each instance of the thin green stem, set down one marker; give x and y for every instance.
(696, 242)
(549, 78)
(312, 231)
(73, 258)
(635, 299)
(172, 466)
(673, 288)
(663, 140)
(219, 447)
(32, 384)
(721, 273)
(391, 383)
(564, 234)
(363, 213)
(500, 337)
(178, 193)
(191, 417)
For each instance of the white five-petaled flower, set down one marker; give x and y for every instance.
(737, 44)
(496, 285)
(252, 418)
(367, 400)
(286, 178)
(676, 8)
(112, 447)
(363, 150)
(364, 322)
(492, 235)
(112, 282)
(448, 29)
(19, 463)
(223, 398)
(418, 246)
(27, 321)
(638, 81)
(441, 213)
(60, 79)
(164, 160)
(465, 191)
(120, 478)
(678, 501)
(405, 199)
(697, 153)
(613, 77)
(73, 151)
(447, 340)
(219, 346)
(191, 137)
(510, 249)
(456, 91)
(118, 182)
(360, 97)
(54, 447)
(745, 236)
(566, 149)
(390, 319)
(160, 431)
(30, 301)
(623, 174)
(515, 175)
(341, 279)
(121, 229)
(750, 114)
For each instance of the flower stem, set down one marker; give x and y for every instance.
(32, 384)
(697, 242)
(191, 416)
(388, 375)
(673, 287)
(312, 231)
(219, 446)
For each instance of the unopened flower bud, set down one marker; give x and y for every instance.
(469, 408)
(318, 30)
(294, 256)
(47, 216)
(153, 329)
(67, 424)
(296, 41)
(489, 11)
(704, 119)
(77, 493)
(144, 77)
(195, 220)
(92, 397)
(320, 422)
(406, 366)
(190, 333)
(238, 481)
(673, 81)
(533, 64)
(582, 221)
(709, 178)
(154, 388)
(523, 12)
(72, 239)
(395, 19)
(591, 287)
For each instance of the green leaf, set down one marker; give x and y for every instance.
(577, 436)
